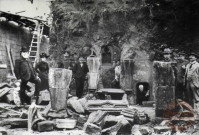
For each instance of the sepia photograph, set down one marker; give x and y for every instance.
(99, 67)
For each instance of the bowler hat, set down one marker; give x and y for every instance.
(42, 55)
(194, 54)
(24, 49)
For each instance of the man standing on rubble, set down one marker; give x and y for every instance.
(80, 73)
(25, 73)
(192, 79)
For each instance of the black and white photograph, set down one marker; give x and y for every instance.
(99, 67)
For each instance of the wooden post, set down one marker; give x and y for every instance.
(163, 85)
(59, 81)
(10, 59)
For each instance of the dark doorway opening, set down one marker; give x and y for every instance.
(142, 92)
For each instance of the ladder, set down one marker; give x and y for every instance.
(35, 43)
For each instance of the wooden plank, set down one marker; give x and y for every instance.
(9, 56)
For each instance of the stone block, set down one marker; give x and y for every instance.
(55, 115)
(44, 97)
(92, 129)
(45, 126)
(80, 121)
(9, 98)
(15, 122)
(141, 130)
(164, 96)
(162, 129)
(75, 104)
(65, 123)
(141, 118)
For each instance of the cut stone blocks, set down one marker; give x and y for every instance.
(65, 123)
(15, 122)
(45, 126)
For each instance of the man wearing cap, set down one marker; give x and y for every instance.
(167, 53)
(80, 72)
(25, 73)
(192, 79)
(180, 76)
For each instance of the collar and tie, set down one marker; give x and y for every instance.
(191, 64)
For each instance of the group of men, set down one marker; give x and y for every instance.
(187, 75)
(25, 72)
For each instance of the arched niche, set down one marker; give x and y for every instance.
(106, 54)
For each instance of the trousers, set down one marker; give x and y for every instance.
(24, 98)
(79, 86)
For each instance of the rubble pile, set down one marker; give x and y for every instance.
(129, 120)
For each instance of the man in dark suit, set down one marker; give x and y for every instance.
(25, 73)
(80, 71)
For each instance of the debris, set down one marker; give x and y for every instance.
(141, 118)
(34, 115)
(141, 130)
(75, 104)
(4, 91)
(129, 114)
(23, 114)
(55, 115)
(15, 122)
(80, 121)
(3, 131)
(45, 126)
(96, 117)
(120, 121)
(65, 123)
(92, 129)
(162, 129)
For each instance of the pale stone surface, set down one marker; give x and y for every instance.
(65, 123)
(75, 104)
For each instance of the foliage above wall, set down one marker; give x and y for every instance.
(128, 23)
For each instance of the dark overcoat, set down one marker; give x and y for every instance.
(24, 70)
(80, 72)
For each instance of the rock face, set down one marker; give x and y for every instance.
(113, 30)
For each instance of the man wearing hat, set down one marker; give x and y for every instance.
(42, 69)
(25, 73)
(180, 75)
(80, 71)
(192, 79)
(167, 54)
